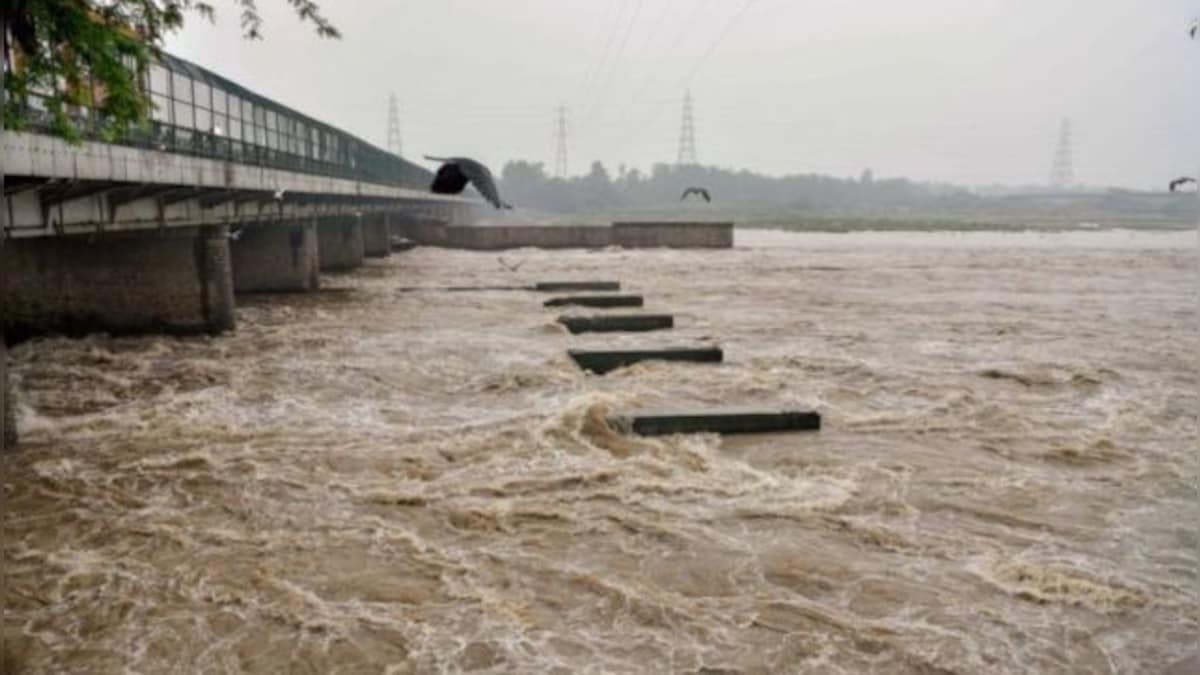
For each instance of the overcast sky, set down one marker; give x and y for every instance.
(970, 92)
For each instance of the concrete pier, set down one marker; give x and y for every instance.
(340, 243)
(8, 410)
(596, 301)
(617, 323)
(176, 280)
(276, 257)
(604, 361)
(721, 421)
(552, 286)
(377, 235)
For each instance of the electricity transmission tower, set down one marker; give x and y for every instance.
(1062, 175)
(687, 134)
(560, 151)
(393, 129)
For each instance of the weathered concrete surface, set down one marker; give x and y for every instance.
(721, 421)
(547, 286)
(8, 409)
(501, 237)
(176, 280)
(276, 257)
(377, 236)
(627, 235)
(340, 243)
(596, 301)
(171, 189)
(617, 322)
(603, 361)
(672, 235)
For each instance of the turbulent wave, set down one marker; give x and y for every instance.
(372, 480)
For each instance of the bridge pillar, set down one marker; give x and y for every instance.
(177, 280)
(276, 257)
(377, 235)
(340, 243)
(8, 409)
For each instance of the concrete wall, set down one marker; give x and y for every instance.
(673, 235)
(628, 235)
(340, 243)
(428, 232)
(377, 236)
(276, 257)
(518, 236)
(176, 280)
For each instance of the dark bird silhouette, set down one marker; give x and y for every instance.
(1174, 185)
(511, 267)
(456, 172)
(1194, 28)
(696, 191)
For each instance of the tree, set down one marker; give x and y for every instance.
(76, 54)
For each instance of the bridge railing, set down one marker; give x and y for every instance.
(197, 112)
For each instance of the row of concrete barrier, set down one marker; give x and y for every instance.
(659, 422)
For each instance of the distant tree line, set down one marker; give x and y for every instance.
(527, 183)
(751, 196)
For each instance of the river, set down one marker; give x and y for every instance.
(389, 477)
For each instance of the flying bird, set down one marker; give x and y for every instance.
(1174, 185)
(278, 196)
(1194, 28)
(456, 172)
(696, 191)
(511, 267)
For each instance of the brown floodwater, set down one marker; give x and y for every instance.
(378, 478)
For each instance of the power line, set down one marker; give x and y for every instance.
(637, 11)
(720, 38)
(712, 47)
(593, 73)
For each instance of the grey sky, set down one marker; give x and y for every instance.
(964, 91)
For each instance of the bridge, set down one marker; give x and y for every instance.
(224, 192)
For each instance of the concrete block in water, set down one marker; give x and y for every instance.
(547, 286)
(596, 301)
(603, 361)
(721, 421)
(615, 323)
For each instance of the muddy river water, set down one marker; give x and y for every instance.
(385, 477)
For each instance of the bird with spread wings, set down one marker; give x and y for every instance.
(1178, 182)
(456, 172)
(696, 191)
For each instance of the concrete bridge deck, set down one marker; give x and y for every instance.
(55, 188)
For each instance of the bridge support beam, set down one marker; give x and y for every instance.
(276, 257)
(377, 235)
(340, 243)
(177, 281)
